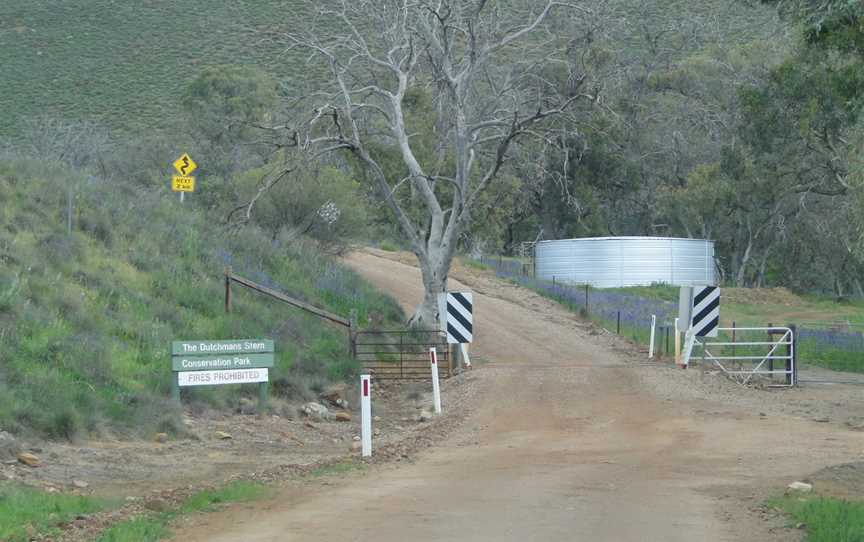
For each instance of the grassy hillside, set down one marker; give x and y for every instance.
(124, 64)
(86, 320)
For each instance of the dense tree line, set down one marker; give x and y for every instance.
(733, 121)
(728, 121)
(737, 121)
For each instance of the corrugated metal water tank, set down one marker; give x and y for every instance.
(609, 262)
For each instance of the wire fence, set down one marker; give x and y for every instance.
(832, 347)
(838, 346)
(625, 314)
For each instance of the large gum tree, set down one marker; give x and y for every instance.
(497, 75)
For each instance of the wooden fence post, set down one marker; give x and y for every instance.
(733, 338)
(175, 387)
(586, 299)
(352, 334)
(228, 289)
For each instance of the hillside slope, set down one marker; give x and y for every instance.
(86, 320)
(124, 65)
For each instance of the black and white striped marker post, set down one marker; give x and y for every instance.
(457, 317)
(706, 311)
(704, 317)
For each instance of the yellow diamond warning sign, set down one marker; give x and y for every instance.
(182, 183)
(185, 165)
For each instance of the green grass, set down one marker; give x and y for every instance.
(825, 519)
(663, 292)
(142, 529)
(474, 264)
(155, 527)
(388, 246)
(94, 312)
(239, 491)
(25, 511)
(810, 309)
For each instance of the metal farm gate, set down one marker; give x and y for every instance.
(391, 355)
(747, 354)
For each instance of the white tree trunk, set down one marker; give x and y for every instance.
(742, 268)
(434, 284)
(448, 50)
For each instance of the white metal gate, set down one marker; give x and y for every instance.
(757, 355)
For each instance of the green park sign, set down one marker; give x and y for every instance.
(211, 363)
(214, 363)
(209, 348)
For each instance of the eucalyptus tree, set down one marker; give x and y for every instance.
(487, 67)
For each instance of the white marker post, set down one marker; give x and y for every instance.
(465, 357)
(651, 345)
(366, 414)
(436, 389)
(689, 341)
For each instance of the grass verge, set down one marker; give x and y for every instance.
(156, 527)
(825, 519)
(25, 512)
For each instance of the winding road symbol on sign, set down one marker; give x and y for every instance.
(185, 165)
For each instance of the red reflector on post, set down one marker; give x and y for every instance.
(365, 388)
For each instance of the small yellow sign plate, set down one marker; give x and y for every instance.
(185, 165)
(182, 184)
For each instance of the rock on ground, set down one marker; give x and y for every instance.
(800, 487)
(317, 411)
(29, 459)
(246, 406)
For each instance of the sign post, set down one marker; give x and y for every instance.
(436, 389)
(184, 183)
(366, 415)
(215, 363)
(465, 357)
(651, 344)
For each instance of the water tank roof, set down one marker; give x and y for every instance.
(627, 238)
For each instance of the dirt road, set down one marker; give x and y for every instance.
(568, 443)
